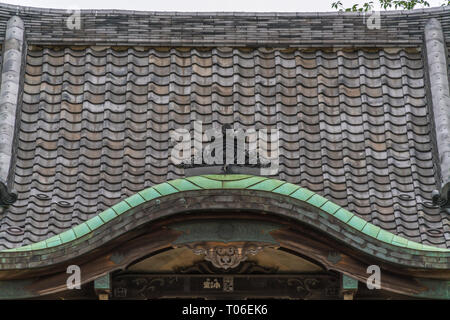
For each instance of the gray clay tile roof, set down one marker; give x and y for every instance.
(355, 126)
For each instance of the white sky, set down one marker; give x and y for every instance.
(197, 5)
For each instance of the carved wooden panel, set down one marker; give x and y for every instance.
(145, 286)
(226, 256)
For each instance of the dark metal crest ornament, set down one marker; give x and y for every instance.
(234, 157)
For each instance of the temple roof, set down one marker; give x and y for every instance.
(352, 107)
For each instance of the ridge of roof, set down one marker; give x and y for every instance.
(296, 29)
(20, 8)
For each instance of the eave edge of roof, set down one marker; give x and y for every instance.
(349, 220)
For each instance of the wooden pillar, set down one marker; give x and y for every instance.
(349, 286)
(102, 287)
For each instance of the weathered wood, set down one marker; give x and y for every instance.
(304, 244)
(295, 286)
(298, 238)
(260, 205)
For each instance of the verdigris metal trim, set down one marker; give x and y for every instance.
(257, 197)
(293, 201)
(349, 283)
(103, 282)
(438, 92)
(14, 52)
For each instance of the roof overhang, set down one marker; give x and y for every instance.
(154, 219)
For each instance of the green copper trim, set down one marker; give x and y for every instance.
(349, 283)
(224, 182)
(103, 282)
